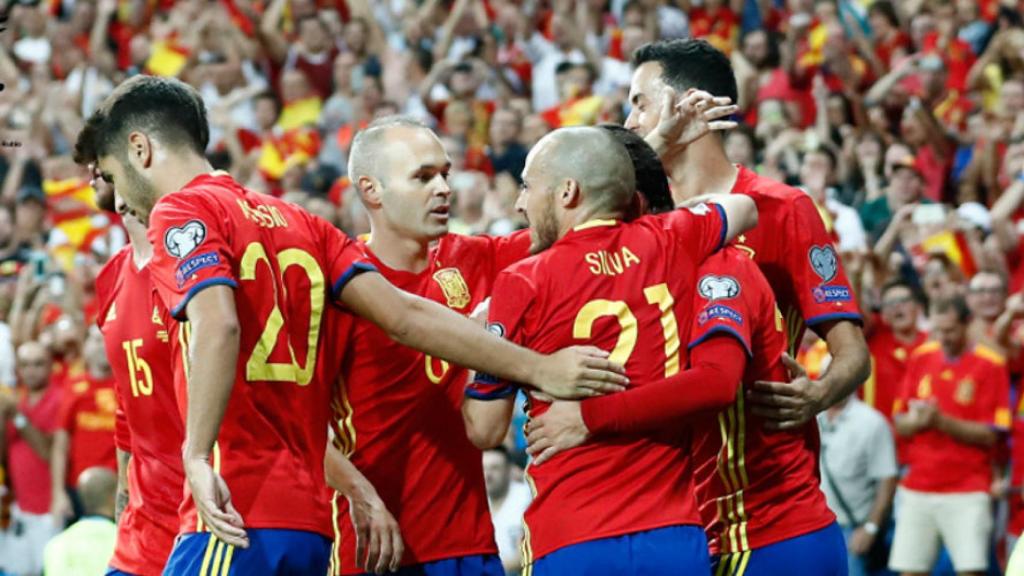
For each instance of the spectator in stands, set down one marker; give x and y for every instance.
(85, 433)
(953, 406)
(85, 547)
(891, 341)
(28, 423)
(858, 470)
(508, 500)
(986, 299)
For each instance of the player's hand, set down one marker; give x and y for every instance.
(688, 120)
(579, 372)
(60, 508)
(787, 405)
(379, 544)
(559, 428)
(861, 541)
(213, 503)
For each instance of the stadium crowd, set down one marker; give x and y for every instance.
(903, 120)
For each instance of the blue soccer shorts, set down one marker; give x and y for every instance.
(270, 552)
(476, 565)
(818, 553)
(679, 550)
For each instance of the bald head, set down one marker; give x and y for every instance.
(96, 487)
(594, 159)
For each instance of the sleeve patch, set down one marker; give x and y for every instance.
(180, 241)
(824, 262)
(713, 287)
(719, 311)
(824, 294)
(189, 267)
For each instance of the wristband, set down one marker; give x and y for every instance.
(870, 527)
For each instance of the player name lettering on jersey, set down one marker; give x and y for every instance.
(603, 263)
(262, 215)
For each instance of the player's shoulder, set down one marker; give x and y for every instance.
(530, 272)
(988, 355)
(111, 276)
(770, 195)
(929, 349)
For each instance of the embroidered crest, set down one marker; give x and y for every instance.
(454, 287)
(824, 262)
(181, 241)
(964, 392)
(714, 287)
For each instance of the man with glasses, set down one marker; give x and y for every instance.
(891, 342)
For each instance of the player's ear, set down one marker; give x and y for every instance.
(570, 195)
(140, 149)
(369, 191)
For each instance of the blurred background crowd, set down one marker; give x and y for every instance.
(904, 120)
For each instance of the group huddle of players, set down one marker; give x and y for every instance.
(669, 436)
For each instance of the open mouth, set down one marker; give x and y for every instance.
(440, 211)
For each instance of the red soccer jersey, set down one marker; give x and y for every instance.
(141, 343)
(620, 287)
(973, 387)
(794, 251)
(88, 414)
(398, 413)
(285, 266)
(754, 487)
(889, 357)
(1015, 524)
(30, 472)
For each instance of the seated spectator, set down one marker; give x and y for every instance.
(85, 547)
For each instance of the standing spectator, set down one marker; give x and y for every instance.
(952, 408)
(85, 547)
(28, 425)
(85, 433)
(505, 151)
(858, 469)
(508, 501)
(891, 343)
(986, 299)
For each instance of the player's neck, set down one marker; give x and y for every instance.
(702, 169)
(177, 174)
(399, 252)
(142, 250)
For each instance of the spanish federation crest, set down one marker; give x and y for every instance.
(714, 287)
(965, 392)
(824, 262)
(454, 287)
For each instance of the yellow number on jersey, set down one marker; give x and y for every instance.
(657, 295)
(140, 386)
(258, 367)
(432, 375)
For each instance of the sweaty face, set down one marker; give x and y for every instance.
(136, 190)
(645, 98)
(537, 202)
(415, 197)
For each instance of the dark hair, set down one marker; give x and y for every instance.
(273, 97)
(651, 180)
(885, 9)
(901, 283)
(689, 64)
(827, 152)
(501, 449)
(165, 107)
(951, 304)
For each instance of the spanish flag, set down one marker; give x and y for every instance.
(281, 153)
(579, 111)
(167, 58)
(76, 221)
(300, 113)
(953, 245)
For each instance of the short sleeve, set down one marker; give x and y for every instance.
(722, 303)
(996, 410)
(511, 298)
(699, 229)
(822, 289)
(190, 251)
(344, 257)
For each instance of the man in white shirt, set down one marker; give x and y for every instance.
(508, 501)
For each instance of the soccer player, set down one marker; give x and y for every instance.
(791, 245)
(139, 336)
(398, 416)
(759, 498)
(615, 285)
(254, 278)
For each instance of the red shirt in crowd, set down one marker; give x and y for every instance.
(889, 356)
(284, 265)
(755, 487)
(30, 472)
(399, 409)
(975, 386)
(141, 347)
(620, 287)
(796, 253)
(1015, 524)
(87, 415)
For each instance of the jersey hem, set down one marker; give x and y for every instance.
(314, 528)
